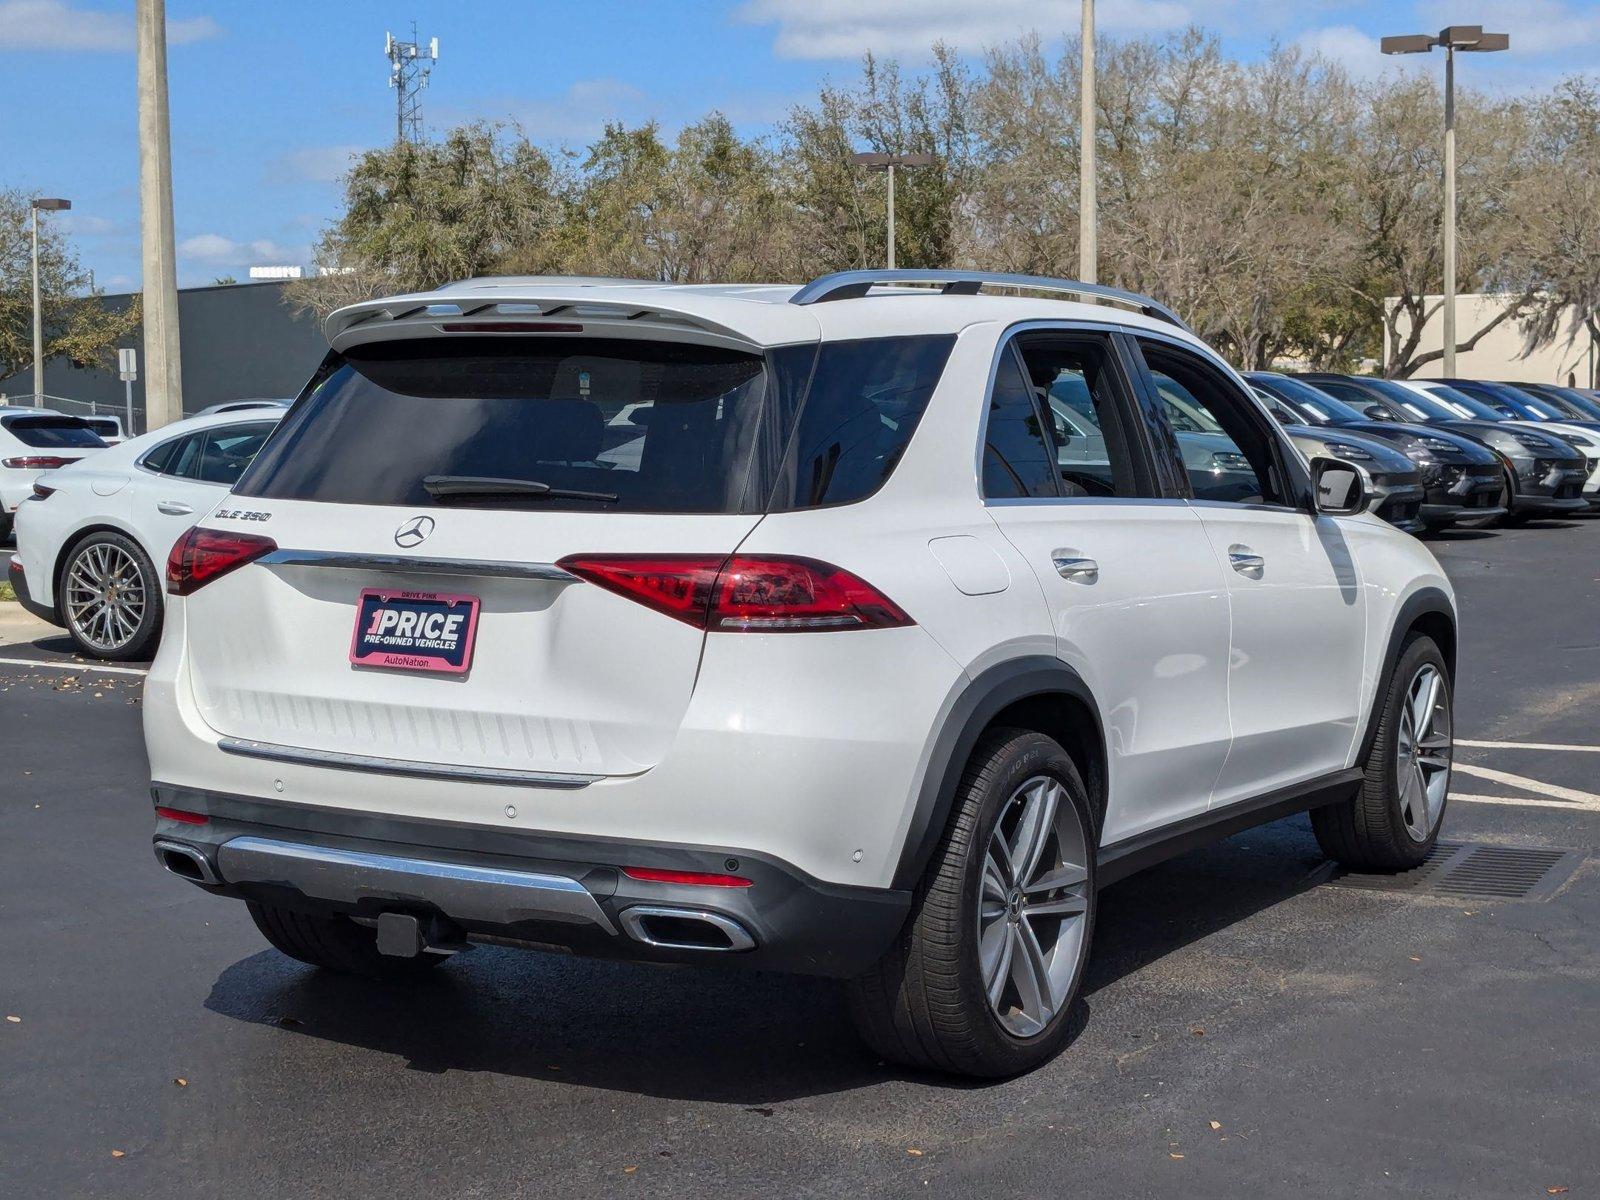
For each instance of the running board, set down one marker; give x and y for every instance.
(1121, 859)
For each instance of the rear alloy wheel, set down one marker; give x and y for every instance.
(1393, 821)
(982, 979)
(110, 598)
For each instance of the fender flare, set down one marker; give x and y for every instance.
(1422, 602)
(974, 708)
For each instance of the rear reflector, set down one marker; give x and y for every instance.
(202, 555)
(745, 594)
(177, 814)
(36, 462)
(693, 878)
(40, 492)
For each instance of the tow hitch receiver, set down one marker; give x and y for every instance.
(400, 935)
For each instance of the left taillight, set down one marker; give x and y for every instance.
(36, 462)
(203, 555)
(747, 593)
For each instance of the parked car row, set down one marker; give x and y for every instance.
(1484, 453)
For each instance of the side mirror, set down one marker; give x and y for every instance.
(1378, 412)
(1340, 488)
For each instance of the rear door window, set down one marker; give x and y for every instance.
(1017, 456)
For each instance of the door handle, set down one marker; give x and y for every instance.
(174, 508)
(1069, 566)
(1246, 561)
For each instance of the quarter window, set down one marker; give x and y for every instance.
(1018, 459)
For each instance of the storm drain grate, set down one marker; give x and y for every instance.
(1465, 869)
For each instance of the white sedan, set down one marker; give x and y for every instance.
(93, 539)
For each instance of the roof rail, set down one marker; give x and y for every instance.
(851, 285)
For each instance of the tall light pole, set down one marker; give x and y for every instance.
(163, 374)
(888, 163)
(1088, 200)
(1470, 38)
(36, 206)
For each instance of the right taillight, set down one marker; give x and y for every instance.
(747, 593)
(202, 555)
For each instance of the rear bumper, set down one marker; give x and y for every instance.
(19, 584)
(466, 883)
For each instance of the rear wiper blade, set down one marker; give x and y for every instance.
(479, 487)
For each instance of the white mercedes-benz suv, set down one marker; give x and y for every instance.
(780, 626)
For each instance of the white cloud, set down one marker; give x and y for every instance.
(56, 25)
(813, 29)
(89, 225)
(212, 249)
(1355, 51)
(314, 164)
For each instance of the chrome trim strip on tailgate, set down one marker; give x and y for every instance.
(483, 894)
(412, 565)
(273, 752)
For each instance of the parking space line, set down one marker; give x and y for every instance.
(1527, 746)
(1554, 791)
(1524, 802)
(62, 666)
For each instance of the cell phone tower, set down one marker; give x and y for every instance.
(410, 64)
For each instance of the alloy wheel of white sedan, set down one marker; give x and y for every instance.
(110, 597)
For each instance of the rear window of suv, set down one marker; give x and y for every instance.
(598, 424)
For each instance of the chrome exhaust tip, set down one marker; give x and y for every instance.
(685, 929)
(186, 862)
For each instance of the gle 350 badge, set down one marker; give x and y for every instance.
(414, 631)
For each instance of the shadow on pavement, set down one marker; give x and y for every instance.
(715, 1034)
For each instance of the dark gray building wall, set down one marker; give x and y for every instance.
(238, 341)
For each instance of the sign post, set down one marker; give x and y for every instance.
(128, 370)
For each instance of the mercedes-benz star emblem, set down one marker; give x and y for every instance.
(414, 532)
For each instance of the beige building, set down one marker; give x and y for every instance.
(1498, 354)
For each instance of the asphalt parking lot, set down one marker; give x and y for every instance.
(1249, 1028)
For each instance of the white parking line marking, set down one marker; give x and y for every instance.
(1527, 746)
(1554, 791)
(61, 666)
(1524, 802)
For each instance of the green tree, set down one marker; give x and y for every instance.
(77, 326)
(419, 215)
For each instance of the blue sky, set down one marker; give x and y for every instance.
(269, 99)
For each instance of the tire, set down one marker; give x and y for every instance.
(334, 943)
(924, 1004)
(1382, 828)
(119, 626)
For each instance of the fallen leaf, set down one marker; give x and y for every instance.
(1174, 1155)
(1555, 1191)
(289, 1021)
(1414, 958)
(15, 1020)
(119, 1154)
(181, 1082)
(1216, 1125)
(1197, 1031)
(629, 1170)
(915, 1153)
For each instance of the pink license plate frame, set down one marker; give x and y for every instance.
(385, 638)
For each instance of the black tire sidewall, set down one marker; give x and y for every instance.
(1033, 755)
(1420, 651)
(142, 644)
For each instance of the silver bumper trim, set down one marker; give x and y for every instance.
(273, 752)
(482, 894)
